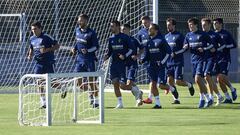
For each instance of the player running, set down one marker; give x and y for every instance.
(131, 62)
(199, 43)
(156, 53)
(42, 48)
(224, 60)
(175, 63)
(86, 46)
(120, 48)
(211, 60)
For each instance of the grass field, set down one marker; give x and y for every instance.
(181, 119)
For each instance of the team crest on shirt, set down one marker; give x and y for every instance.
(37, 41)
(173, 38)
(119, 40)
(198, 37)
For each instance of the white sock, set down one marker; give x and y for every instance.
(201, 95)
(157, 101)
(119, 100)
(189, 84)
(150, 95)
(171, 88)
(207, 97)
(227, 95)
(95, 100)
(43, 100)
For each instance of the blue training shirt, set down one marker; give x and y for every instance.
(42, 41)
(88, 40)
(143, 36)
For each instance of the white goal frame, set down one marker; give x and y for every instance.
(48, 91)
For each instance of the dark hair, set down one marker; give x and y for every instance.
(206, 19)
(155, 26)
(84, 16)
(37, 23)
(219, 20)
(126, 25)
(145, 18)
(171, 20)
(194, 20)
(116, 22)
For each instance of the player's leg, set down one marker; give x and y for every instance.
(179, 79)
(170, 81)
(93, 92)
(199, 80)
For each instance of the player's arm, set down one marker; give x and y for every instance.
(54, 46)
(181, 49)
(109, 51)
(167, 49)
(220, 43)
(94, 43)
(30, 53)
(130, 51)
(209, 45)
(230, 43)
(145, 56)
(140, 47)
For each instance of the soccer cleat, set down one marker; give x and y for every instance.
(63, 94)
(176, 102)
(234, 94)
(191, 90)
(157, 107)
(219, 101)
(147, 101)
(95, 105)
(119, 106)
(139, 99)
(175, 93)
(43, 107)
(201, 104)
(228, 101)
(209, 103)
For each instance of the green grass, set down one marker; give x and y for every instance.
(181, 119)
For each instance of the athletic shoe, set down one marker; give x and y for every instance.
(201, 104)
(219, 101)
(175, 93)
(95, 105)
(191, 90)
(147, 101)
(43, 107)
(176, 102)
(228, 101)
(209, 103)
(234, 94)
(157, 107)
(119, 106)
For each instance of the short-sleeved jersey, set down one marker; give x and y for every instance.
(157, 50)
(143, 36)
(136, 46)
(86, 39)
(42, 41)
(119, 44)
(196, 40)
(227, 38)
(175, 41)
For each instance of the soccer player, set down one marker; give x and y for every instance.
(211, 59)
(175, 63)
(86, 46)
(198, 42)
(42, 48)
(131, 62)
(224, 60)
(120, 48)
(156, 53)
(144, 37)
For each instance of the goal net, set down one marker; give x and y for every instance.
(66, 99)
(59, 19)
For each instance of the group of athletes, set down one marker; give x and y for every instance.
(161, 55)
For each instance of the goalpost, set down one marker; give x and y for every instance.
(74, 108)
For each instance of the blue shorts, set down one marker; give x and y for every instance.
(175, 71)
(157, 74)
(85, 67)
(209, 68)
(198, 68)
(222, 68)
(118, 70)
(43, 68)
(131, 72)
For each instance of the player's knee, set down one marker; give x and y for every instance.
(179, 82)
(115, 80)
(220, 78)
(162, 86)
(198, 79)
